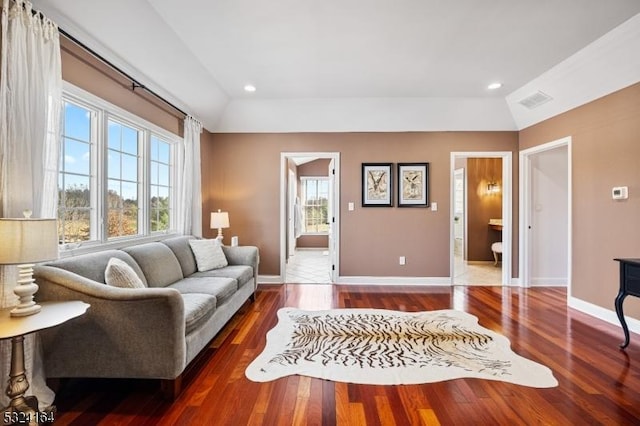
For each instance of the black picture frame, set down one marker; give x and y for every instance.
(413, 184)
(377, 184)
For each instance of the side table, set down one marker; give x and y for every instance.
(629, 285)
(24, 409)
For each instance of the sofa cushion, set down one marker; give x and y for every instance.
(94, 265)
(158, 263)
(197, 309)
(242, 273)
(208, 254)
(221, 288)
(119, 274)
(181, 248)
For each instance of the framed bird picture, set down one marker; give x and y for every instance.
(413, 184)
(377, 184)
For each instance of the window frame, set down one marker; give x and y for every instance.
(303, 200)
(105, 111)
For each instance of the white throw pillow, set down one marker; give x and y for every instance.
(208, 254)
(120, 274)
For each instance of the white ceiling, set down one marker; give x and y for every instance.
(362, 65)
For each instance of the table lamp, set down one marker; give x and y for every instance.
(25, 242)
(219, 220)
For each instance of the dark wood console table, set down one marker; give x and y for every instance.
(629, 285)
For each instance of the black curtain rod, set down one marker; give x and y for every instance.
(135, 84)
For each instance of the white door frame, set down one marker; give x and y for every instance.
(524, 272)
(334, 253)
(507, 208)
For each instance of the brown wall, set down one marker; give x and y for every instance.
(605, 153)
(83, 70)
(319, 167)
(482, 206)
(241, 174)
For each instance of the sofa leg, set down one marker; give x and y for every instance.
(171, 388)
(252, 297)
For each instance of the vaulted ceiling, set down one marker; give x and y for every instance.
(364, 65)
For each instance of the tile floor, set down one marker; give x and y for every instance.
(484, 273)
(310, 266)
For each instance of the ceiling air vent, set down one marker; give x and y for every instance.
(535, 100)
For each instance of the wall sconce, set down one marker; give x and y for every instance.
(493, 188)
(219, 220)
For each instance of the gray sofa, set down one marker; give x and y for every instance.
(152, 332)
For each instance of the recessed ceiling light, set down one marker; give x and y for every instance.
(249, 88)
(494, 86)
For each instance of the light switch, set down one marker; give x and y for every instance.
(434, 206)
(351, 207)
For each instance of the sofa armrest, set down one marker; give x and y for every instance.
(244, 255)
(124, 333)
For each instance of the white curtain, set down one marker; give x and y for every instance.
(189, 215)
(30, 103)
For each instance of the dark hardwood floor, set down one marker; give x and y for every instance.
(598, 382)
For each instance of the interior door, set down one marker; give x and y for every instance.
(332, 221)
(459, 214)
(292, 189)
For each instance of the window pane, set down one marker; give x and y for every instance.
(154, 173)
(163, 194)
(154, 148)
(161, 184)
(129, 168)
(76, 192)
(115, 159)
(114, 198)
(77, 122)
(114, 135)
(315, 201)
(129, 193)
(76, 157)
(163, 175)
(74, 225)
(74, 180)
(164, 150)
(129, 140)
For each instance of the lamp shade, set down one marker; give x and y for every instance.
(219, 220)
(28, 240)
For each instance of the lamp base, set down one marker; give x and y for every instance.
(25, 290)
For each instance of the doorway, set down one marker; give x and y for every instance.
(309, 217)
(473, 259)
(545, 214)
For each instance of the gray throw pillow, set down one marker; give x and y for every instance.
(119, 274)
(208, 254)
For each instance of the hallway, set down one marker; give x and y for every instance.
(308, 266)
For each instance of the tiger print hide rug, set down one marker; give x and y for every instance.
(381, 347)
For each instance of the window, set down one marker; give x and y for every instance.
(123, 180)
(315, 201)
(160, 184)
(116, 173)
(75, 209)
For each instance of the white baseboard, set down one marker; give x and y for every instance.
(549, 282)
(364, 280)
(269, 279)
(599, 312)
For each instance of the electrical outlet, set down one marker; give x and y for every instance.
(403, 260)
